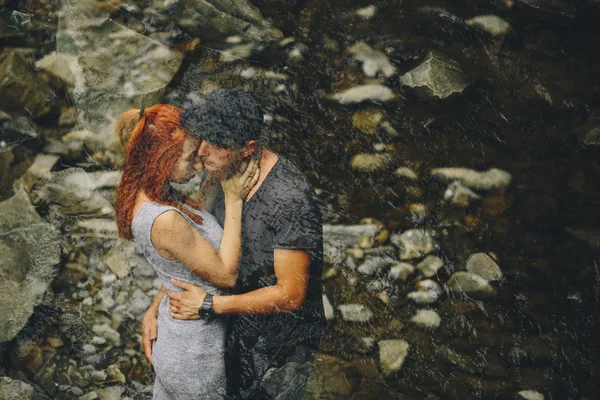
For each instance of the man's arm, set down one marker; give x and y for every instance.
(150, 324)
(292, 271)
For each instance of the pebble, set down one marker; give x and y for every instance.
(108, 333)
(429, 285)
(401, 271)
(89, 396)
(427, 319)
(373, 265)
(413, 243)
(531, 395)
(98, 340)
(76, 391)
(423, 297)
(392, 354)
(406, 173)
(98, 376)
(370, 162)
(430, 266)
(355, 312)
(470, 284)
(359, 94)
(483, 265)
(328, 308)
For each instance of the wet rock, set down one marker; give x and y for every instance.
(59, 65)
(373, 265)
(287, 382)
(115, 373)
(427, 319)
(406, 173)
(423, 297)
(344, 236)
(429, 285)
(392, 354)
(16, 129)
(366, 12)
(108, 333)
(222, 17)
(366, 345)
(435, 79)
(41, 167)
(430, 266)
(470, 284)
(493, 179)
(401, 271)
(30, 249)
(366, 162)
(374, 61)
(369, 92)
(592, 139)
(15, 389)
(367, 121)
(589, 235)
(460, 196)
(328, 308)
(108, 179)
(22, 88)
(492, 24)
(530, 395)
(355, 312)
(134, 73)
(482, 265)
(71, 192)
(413, 243)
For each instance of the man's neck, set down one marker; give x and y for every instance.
(267, 161)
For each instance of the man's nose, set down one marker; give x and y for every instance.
(203, 149)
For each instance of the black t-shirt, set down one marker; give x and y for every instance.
(282, 214)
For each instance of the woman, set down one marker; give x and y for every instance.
(180, 242)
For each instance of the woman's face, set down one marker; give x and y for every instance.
(188, 162)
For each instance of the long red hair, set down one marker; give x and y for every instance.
(151, 149)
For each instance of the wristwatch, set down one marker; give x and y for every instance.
(206, 309)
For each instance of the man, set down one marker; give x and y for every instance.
(277, 301)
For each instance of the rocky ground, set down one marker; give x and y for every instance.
(454, 147)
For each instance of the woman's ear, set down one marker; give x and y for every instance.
(249, 148)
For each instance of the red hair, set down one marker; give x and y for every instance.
(151, 151)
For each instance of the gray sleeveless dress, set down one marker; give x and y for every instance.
(188, 356)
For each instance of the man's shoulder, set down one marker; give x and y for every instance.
(288, 178)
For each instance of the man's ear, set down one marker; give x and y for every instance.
(249, 148)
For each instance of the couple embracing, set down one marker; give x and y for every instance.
(241, 280)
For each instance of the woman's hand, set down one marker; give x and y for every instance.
(240, 184)
(149, 331)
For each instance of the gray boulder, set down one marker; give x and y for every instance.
(71, 192)
(436, 78)
(22, 88)
(30, 249)
(12, 389)
(16, 129)
(114, 69)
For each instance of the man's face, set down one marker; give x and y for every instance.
(220, 161)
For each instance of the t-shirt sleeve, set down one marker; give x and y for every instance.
(298, 224)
